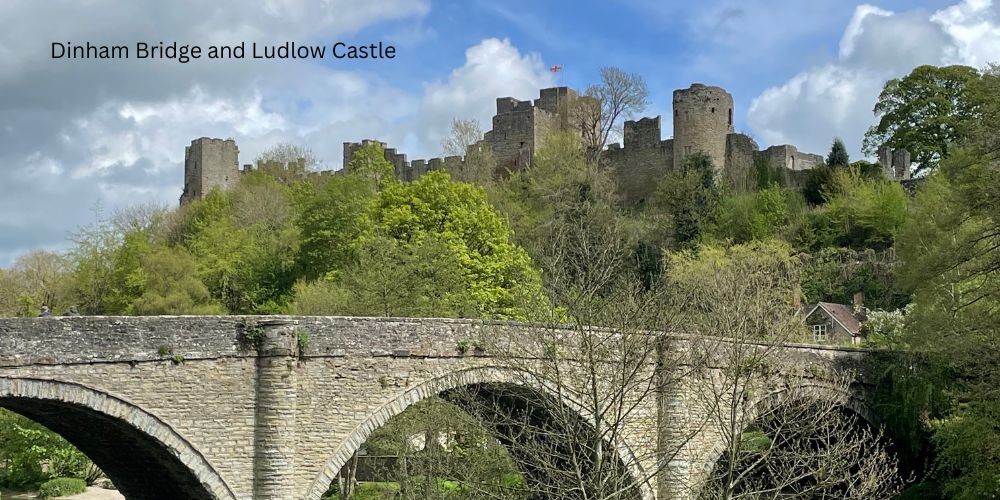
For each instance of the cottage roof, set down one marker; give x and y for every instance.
(842, 314)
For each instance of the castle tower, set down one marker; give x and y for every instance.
(703, 117)
(208, 164)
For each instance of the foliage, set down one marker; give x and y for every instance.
(31, 454)
(949, 245)
(369, 163)
(689, 197)
(465, 141)
(836, 274)
(37, 278)
(61, 487)
(925, 112)
(619, 95)
(435, 450)
(859, 214)
(886, 329)
(766, 175)
(330, 221)
(817, 185)
(286, 152)
(454, 220)
(769, 213)
(838, 154)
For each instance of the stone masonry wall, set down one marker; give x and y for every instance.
(702, 120)
(209, 164)
(279, 423)
(645, 159)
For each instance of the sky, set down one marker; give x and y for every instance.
(80, 138)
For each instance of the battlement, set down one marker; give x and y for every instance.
(209, 164)
(702, 123)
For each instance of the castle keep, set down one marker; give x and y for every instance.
(702, 123)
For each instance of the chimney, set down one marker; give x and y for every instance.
(859, 302)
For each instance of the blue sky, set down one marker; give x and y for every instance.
(75, 133)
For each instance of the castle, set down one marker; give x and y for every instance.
(702, 123)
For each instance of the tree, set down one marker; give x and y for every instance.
(390, 278)
(465, 140)
(369, 162)
(458, 216)
(607, 371)
(435, 450)
(779, 438)
(286, 152)
(949, 249)
(838, 154)
(925, 112)
(168, 283)
(859, 214)
(689, 197)
(40, 278)
(765, 214)
(330, 221)
(619, 95)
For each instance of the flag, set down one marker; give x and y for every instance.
(555, 69)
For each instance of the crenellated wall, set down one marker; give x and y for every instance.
(702, 122)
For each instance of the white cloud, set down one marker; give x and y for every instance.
(493, 68)
(79, 132)
(836, 99)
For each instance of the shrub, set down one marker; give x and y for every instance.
(61, 487)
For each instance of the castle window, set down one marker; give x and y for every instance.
(819, 333)
(730, 117)
(713, 110)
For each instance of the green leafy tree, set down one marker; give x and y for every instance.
(949, 247)
(459, 217)
(838, 154)
(390, 278)
(768, 213)
(925, 112)
(330, 221)
(369, 162)
(817, 185)
(689, 197)
(859, 214)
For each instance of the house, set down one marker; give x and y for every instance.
(838, 324)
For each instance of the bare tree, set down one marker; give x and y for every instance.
(288, 163)
(784, 429)
(619, 95)
(466, 140)
(577, 429)
(286, 152)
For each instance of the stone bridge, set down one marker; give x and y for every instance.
(181, 407)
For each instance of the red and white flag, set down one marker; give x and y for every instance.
(555, 69)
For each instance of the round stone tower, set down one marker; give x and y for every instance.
(703, 117)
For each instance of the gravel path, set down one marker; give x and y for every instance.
(91, 494)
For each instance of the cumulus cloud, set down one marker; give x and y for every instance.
(80, 132)
(492, 69)
(836, 99)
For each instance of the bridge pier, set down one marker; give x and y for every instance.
(274, 420)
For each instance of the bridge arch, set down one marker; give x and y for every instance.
(472, 377)
(852, 401)
(143, 456)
